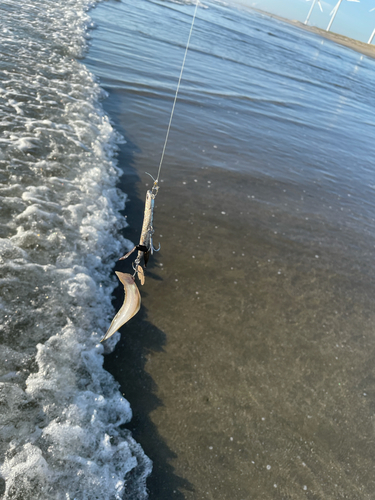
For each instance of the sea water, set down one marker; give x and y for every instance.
(60, 411)
(263, 385)
(249, 367)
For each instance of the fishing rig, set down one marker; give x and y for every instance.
(145, 248)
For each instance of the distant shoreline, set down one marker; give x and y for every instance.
(361, 47)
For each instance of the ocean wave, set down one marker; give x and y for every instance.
(61, 411)
(201, 5)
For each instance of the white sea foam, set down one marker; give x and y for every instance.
(60, 411)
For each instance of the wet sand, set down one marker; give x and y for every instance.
(251, 350)
(249, 367)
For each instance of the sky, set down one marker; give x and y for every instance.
(353, 19)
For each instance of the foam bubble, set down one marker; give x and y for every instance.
(61, 411)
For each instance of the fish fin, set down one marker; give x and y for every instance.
(141, 274)
(127, 254)
(146, 256)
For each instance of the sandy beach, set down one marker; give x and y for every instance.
(248, 372)
(361, 47)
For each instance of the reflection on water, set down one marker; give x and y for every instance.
(263, 286)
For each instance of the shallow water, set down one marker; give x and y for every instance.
(250, 366)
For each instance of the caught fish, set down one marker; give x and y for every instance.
(130, 307)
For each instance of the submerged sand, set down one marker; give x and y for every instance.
(249, 368)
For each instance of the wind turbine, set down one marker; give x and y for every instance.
(334, 11)
(373, 33)
(311, 9)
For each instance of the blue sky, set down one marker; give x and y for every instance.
(353, 19)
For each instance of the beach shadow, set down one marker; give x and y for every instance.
(127, 362)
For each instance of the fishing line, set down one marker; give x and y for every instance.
(177, 89)
(132, 299)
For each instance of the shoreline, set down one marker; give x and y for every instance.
(356, 45)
